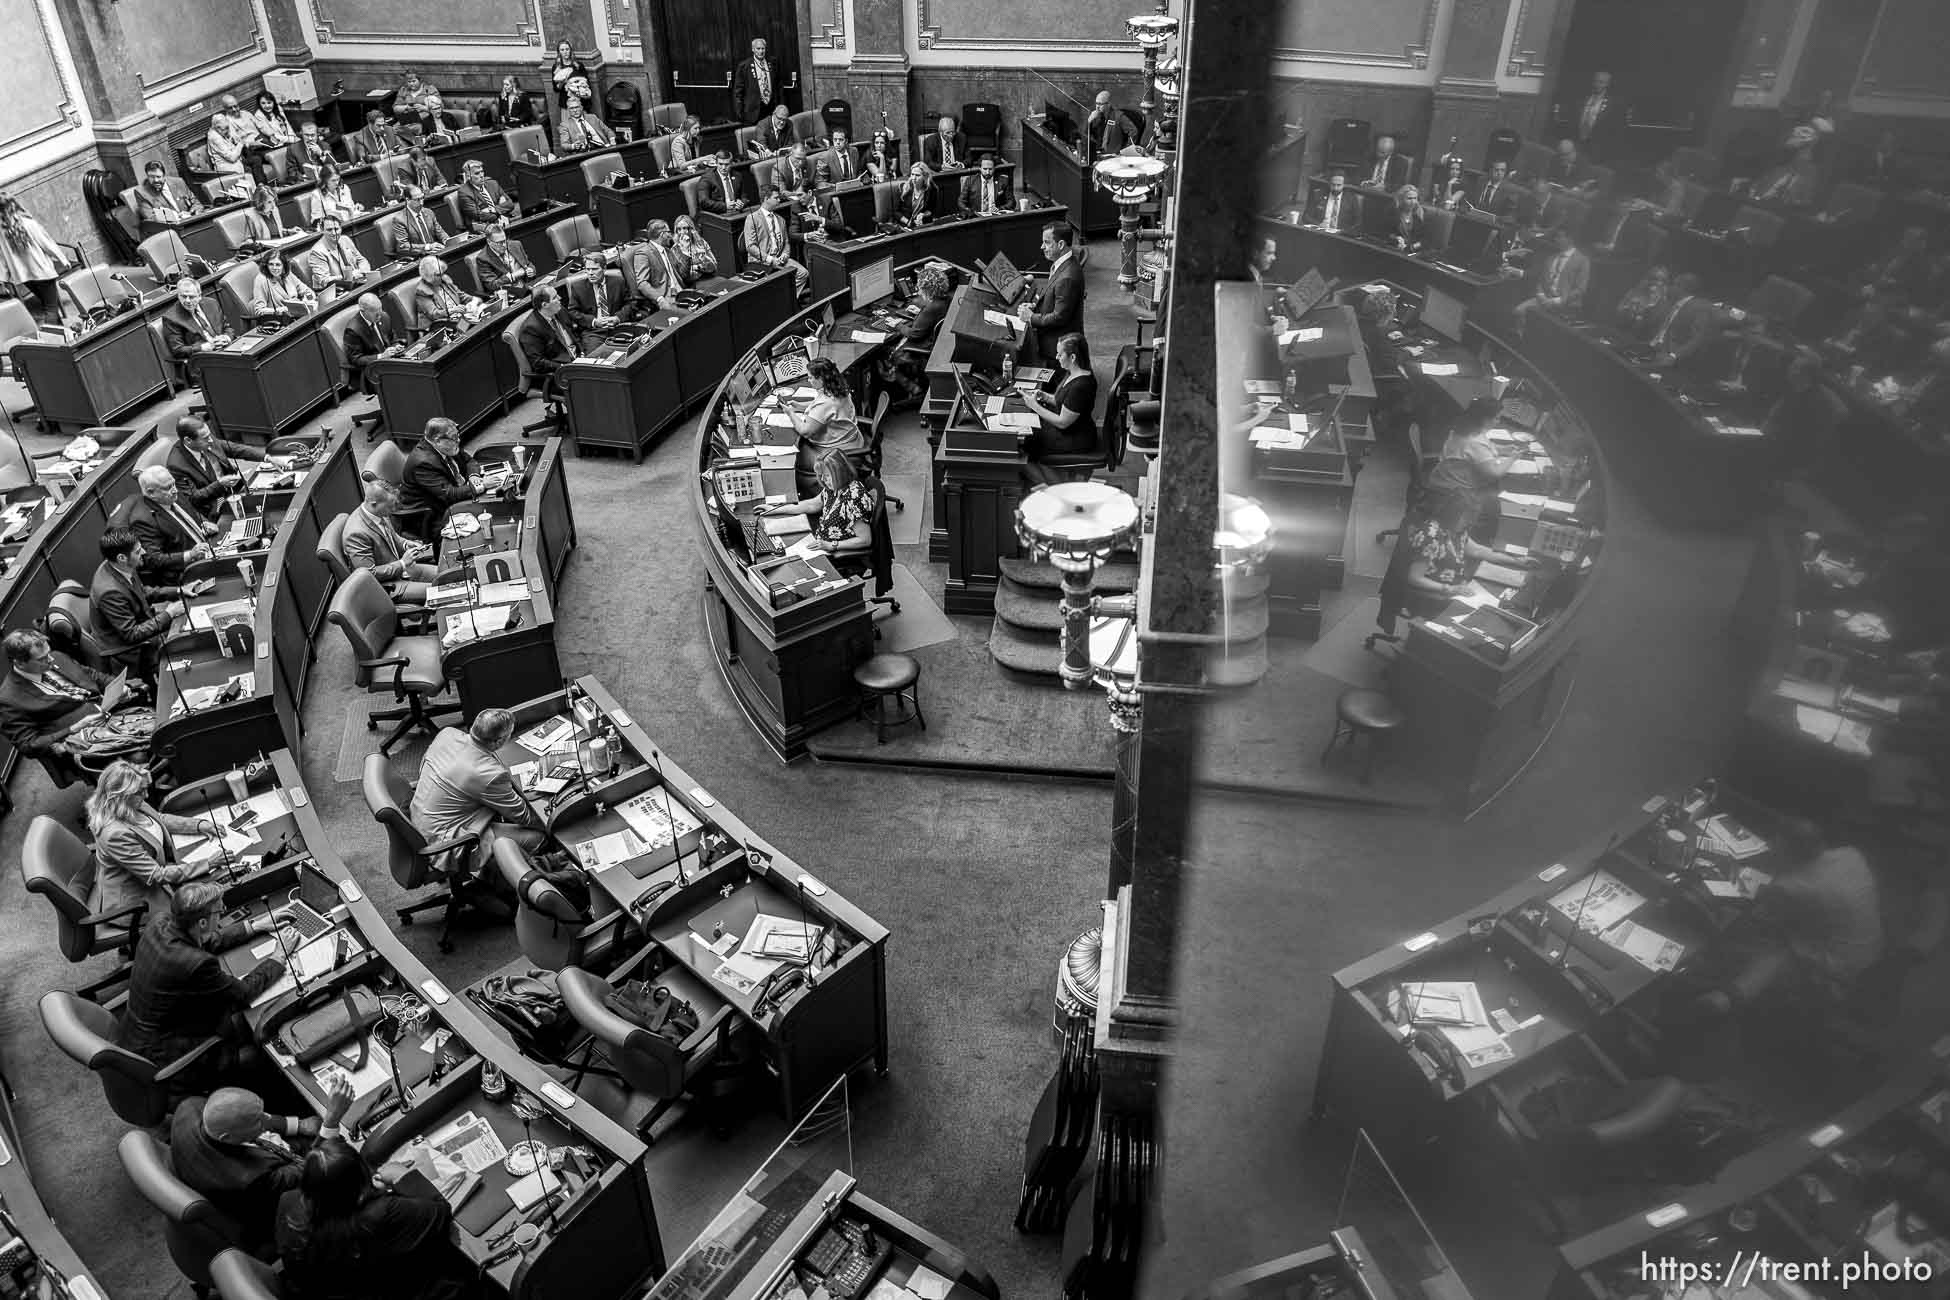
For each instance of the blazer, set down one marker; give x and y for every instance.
(772, 137)
(197, 482)
(426, 174)
(653, 271)
(341, 205)
(166, 209)
(686, 155)
(243, 1179)
(431, 482)
(1347, 217)
(793, 177)
(582, 297)
(920, 330)
(716, 191)
(304, 155)
(180, 994)
(370, 143)
(372, 542)
(910, 207)
(749, 102)
(364, 341)
(1394, 172)
(1565, 171)
(1688, 327)
(582, 133)
(1499, 200)
(1104, 135)
(290, 297)
(259, 229)
(971, 194)
(421, 233)
(481, 204)
(1059, 307)
(514, 110)
(1610, 116)
(504, 268)
(182, 332)
(165, 541)
(341, 263)
(120, 612)
(462, 788)
(33, 718)
(135, 861)
(932, 151)
(768, 236)
(435, 302)
(1409, 228)
(1572, 278)
(542, 347)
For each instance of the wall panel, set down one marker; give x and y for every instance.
(1020, 92)
(171, 42)
(1376, 33)
(1909, 54)
(40, 103)
(458, 23)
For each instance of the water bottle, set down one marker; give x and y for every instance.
(599, 754)
(247, 570)
(1009, 369)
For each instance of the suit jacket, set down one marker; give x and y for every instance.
(1409, 227)
(715, 192)
(773, 136)
(910, 207)
(768, 236)
(1565, 171)
(921, 330)
(371, 542)
(653, 271)
(364, 341)
(582, 297)
(1348, 217)
(504, 268)
(196, 482)
(445, 124)
(931, 151)
(370, 143)
(482, 205)
(244, 1180)
(34, 718)
(437, 302)
(184, 335)
(750, 103)
(1394, 173)
(1104, 135)
(304, 155)
(164, 540)
(1688, 328)
(793, 177)
(431, 482)
(515, 110)
(971, 194)
(341, 264)
(120, 612)
(586, 132)
(166, 209)
(462, 788)
(426, 174)
(180, 994)
(684, 151)
(421, 233)
(1572, 278)
(1500, 201)
(543, 347)
(846, 169)
(1059, 307)
(1610, 117)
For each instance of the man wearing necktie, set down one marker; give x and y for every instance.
(719, 191)
(158, 207)
(1104, 132)
(769, 245)
(1595, 116)
(985, 193)
(436, 299)
(653, 276)
(368, 336)
(438, 474)
(546, 343)
(1338, 209)
(581, 131)
(1390, 170)
(129, 618)
(1496, 197)
(189, 328)
(755, 89)
(1561, 285)
(1689, 326)
(44, 696)
(943, 149)
(592, 303)
(205, 466)
(415, 230)
(482, 200)
(503, 264)
(371, 541)
(379, 138)
(846, 168)
(173, 536)
(334, 262)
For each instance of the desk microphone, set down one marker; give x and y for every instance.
(284, 947)
(101, 311)
(676, 840)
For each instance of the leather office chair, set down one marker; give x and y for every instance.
(332, 335)
(669, 116)
(874, 426)
(415, 861)
(810, 128)
(238, 1276)
(1437, 225)
(331, 550)
(596, 169)
(649, 1067)
(1348, 140)
(54, 864)
(981, 127)
(837, 114)
(66, 624)
(194, 1229)
(235, 288)
(276, 165)
(623, 107)
(885, 195)
(156, 454)
(1503, 147)
(407, 665)
(551, 930)
(386, 171)
(138, 1091)
(761, 182)
(175, 375)
(554, 415)
(572, 234)
(524, 139)
(1781, 300)
(90, 291)
(399, 301)
(689, 189)
(166, 256)
(386, 461)
(233, 229)
(660, 154)
(1077, 466)
(742, 141)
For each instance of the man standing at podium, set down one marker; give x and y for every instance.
(1058, 310)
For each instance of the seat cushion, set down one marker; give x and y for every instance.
(423, 671)
(888, 672)
(1371, 711)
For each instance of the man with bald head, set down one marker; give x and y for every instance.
(174, 535)
(369, 336)
(229, 132)
(945, 148)
(217, 1148)
(1104, 132)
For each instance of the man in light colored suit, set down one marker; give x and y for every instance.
(465, 788)
(651, 270)
(370, 541)
(768, 242)
(335, 262)
(377, 139)
(162, 201)
(1561, 280)
(577, 130)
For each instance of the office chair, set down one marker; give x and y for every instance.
(555, 416)
(237, 1275)
(668, 116)
(1077, 466)
(414, 860)
(371, 622)
(873, 553)
(596, 169)
(1347, 141)
(53, 863)
(623, 107)
(838, 116)
(1503, 147)
(570, 234)
(650, 1068)
(92, 293)
(140, 1093)
(386, 461)
(166, 255)
(809, 128)
(194, 1229)
(552, 931)
(67, 624)
(875, 426)
(331, 550)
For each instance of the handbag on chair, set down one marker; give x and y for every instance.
(656, 1009)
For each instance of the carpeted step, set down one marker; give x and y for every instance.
(1029, 610)
(1026, 656)
(1116, 577)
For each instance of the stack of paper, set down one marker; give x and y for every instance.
(1441, 369)
(1645, 946)
(1727, 836)
(1598, 902)
(546, 735)
(657, 818)
(472, 624)
(611, 850)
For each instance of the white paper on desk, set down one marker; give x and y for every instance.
(471, 1141)
(1723, 888)
(610, 850)
(1479, 1046)
(928, 1284)
(1297, 423)
(1016, 420)
(502, 593)
(201, 615)
(993, 406)
(869, 336)
(1441, 369)
(745, 971)
(1888, 706)
(742, 453)
(210, 849)
(313, 961)
(1645, 946)
(1306, 334)
(1814, 694)
(1001, 320)
(1853, 736)
(1477, 596)
(1455, 998)
(1819, 723)
(375, 1073)
(1598, 902)
(544, 736)
(805, 546)
(653, 814)
(779, 420)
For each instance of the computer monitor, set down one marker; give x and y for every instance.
(1377, 215)
(1470, 237)
(872, 282)
(1059, 123)
(1443, 314)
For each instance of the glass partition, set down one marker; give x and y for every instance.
(1400, 1246)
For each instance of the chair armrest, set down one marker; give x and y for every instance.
(187, 1059)
(394, 661)
(448, 845)
(419, 616)
(596, 927)
(1651, 1113)
(132, 911)
(1506, 1106)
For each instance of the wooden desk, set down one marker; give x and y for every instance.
(959, 242)
(100, 377)
(265, 385)
(561, 180)
(1053, 170)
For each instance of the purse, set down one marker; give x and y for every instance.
(314, 1035)
(656, 1009)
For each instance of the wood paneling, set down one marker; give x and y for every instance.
(170, 42)
(1384, 33)
(1765, 42)
(442, 22)
(1020, 91)
(1403, 110)
(1909, 54)
(39, 103)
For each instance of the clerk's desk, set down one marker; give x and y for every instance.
(601, 1240)
(1403, 1093)
(1054, 170)
(524, 535)
(719, 872)
(1350, 259)
(957, 240)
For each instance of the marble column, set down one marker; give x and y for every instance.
(1466, 103)
(877, 76)
(288, 33)
(127, 134)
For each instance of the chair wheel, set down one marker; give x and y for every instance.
(371, 725)
(405, 917)
(894, 606)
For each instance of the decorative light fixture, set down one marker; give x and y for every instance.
(1076, 527)
(1130, 180)
(1152, 32)
(1167, 83)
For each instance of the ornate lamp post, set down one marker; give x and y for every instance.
(1076, 527)
(1130, 180)
(1152, 32)
(1167, 83)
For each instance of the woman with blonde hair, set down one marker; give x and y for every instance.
(136, 858)
(689, 243)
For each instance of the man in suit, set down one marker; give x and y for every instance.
(205, 466)
(1497, 195)
(370, 541)
(945, 148)
(774, 135)
(1058, 309)
(438, 474)
(417, 232)
(1104, 130)
(162, 202)
(793, 172)
(985, 192)
(191, 329)
(465, 788)
(755, 86)
(368, 336)
(512, 107)
(768, 242)
(312, 154)
(437, 300)
(545, 339)
(173, 534)
(482, 200)
(1388, 171)
(846, 163)
(579, 131)
(1336, 208)
(593, 303)
(1566, 168)
(421, 170)
(1598, 119)
(44, 696)
(335, 262)
(377, 139)
(651, 270)
(1561, 280)
(719, 190)
(215, 1149)
(129, 618)
(1691, 325)
(503, 264)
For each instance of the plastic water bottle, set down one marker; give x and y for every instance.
(1009, 369)
(599, 754)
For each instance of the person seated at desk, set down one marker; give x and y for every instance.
(686, 151)
(483, 203)
(45, 695)
(1546, 210)
(438, 474)
(435, 125)
(1803, 421)
(695, 260)
(1498, 196)
(1689, 327)
(280, 295)
(547, 342)
(1468, 466)
(917, 203)
(1058, 309)
(846, 169)
(311, 155)
(205, 466)
(214, 1148)
(420, 170)
(1265, 254)
(128, 617)
(1069, 417)
(1646, 304)
(333, 198)
(984, 193)
(465, 788)
(162, 202)
(269, 121)
(773, 135)
(173, 534)
(841, 505)
(1561, 280)
(379, 138)
(881, 161)
(511, 108)
(768, 243)
(1906, 266)
(348, 1232)
(792, 174)
(719, 190)
(229, 135)
(135, 845)
(945, 149)
(903, 370)
(1567, 170)
(335, 262)
(827, 423)
(370, 541)
(416, 232)
(503, 264)
(1430, 565)
(180, 993)
(653, 268)
(437, 300)
(593, 303)
(263, 223)
(577, 131)
(1105, 131)
(1388, 170)
(190, 329)
(1336, 208)
(1410, 223)
(1792, 182)
(369, 336)
(1452, 187)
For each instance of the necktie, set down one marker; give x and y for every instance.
(1659, 339)
(1489, 194)
(202, 322)
(843, 163)
(55, 684)
(562, 333)
(1333, 209)
(1591, 108)
(772, 233)
(167, 199)
(190, 527)
(1380, 167)
(1557, 269)
(947, 151)
(988, 196)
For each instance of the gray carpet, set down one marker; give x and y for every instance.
(908, 526)
(920, 622)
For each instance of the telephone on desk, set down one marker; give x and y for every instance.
(843, 1263)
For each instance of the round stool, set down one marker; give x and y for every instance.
(1364, 713)
(890, 677)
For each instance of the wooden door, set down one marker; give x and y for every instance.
(1670, 61)
(704, 39)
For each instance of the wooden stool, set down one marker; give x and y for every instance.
(890, 677)
(1364, 713)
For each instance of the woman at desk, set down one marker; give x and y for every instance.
(333, 198)
(280, 295)
(917, 202)
(350, 1233)
(1453, 188)
(695, 260)
(1069, 418)
(135, 846)
(263, 224)
(1431, 562)
(879, 163)
(1410, 222)
(1469, 467)
(904, 369)
(1642, 310)
(268, 120)
(827, 423)
(842, 507)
